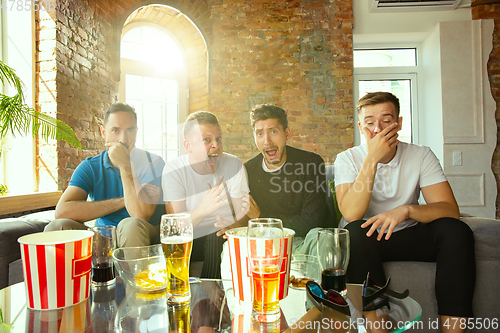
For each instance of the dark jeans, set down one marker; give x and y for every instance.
(447, 241)
(208, 249)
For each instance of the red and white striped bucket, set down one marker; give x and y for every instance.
(240, 273)
(56, 267)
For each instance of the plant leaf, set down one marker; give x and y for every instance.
(17, 117)
(49, 127)
(8, 75)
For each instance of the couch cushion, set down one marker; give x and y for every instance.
(16, 272)
(486, 236)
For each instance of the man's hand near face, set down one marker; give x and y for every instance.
(137, 202)
(379, 145)
(119, 155)
(354, 198)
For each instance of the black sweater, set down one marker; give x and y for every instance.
(295, 194)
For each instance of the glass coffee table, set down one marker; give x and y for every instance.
(117, 308)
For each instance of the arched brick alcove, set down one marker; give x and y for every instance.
(192, 42)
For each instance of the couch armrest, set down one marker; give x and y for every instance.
(10, 231)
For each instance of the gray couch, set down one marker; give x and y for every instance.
(10, 252)
(419, 277)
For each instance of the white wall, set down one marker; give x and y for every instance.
(430, 113)
(398, 28)
(469, 127)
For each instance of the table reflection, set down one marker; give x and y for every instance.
(118, 308)
(140, 312)
(207, 311)
(104, 308)
(74, 319)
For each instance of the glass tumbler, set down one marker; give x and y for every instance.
(103, 244)
(265, 255)
(333, 252)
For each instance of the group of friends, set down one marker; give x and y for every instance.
(378, 185)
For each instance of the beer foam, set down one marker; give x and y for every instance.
(176, 240)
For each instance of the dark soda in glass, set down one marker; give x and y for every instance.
(333, 278)
(102, 273)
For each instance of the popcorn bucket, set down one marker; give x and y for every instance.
(240, 272)
(56, 268)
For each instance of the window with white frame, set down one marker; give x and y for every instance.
(154, 81)
(17, 163)
(390, 70)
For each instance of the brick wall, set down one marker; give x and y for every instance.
(492, 11)
(76, 77)
(296, 54)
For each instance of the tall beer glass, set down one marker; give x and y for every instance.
(265, 254)
(176, 232)
(333, 253)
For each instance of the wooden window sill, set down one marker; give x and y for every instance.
(23, 202)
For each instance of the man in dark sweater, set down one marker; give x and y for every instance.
(285, 182)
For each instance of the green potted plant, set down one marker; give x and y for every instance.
(18, 118)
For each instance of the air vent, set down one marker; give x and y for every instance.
(412, 5)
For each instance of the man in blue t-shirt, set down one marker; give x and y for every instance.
(123, 184)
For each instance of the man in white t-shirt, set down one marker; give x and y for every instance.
(378, 185)
(198, 183)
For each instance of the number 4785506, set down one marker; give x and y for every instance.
(28, 5)
(471, 323)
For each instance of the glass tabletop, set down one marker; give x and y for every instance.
(213, 308)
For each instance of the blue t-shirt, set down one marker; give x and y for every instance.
(101, 180)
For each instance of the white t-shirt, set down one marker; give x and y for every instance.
(397, 182)
(180, 182)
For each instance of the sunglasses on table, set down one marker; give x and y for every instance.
(330, 298)
(375, 296)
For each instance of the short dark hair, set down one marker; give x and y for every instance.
(378, 97)
(118, 107)
(201, 117)
(268, 111)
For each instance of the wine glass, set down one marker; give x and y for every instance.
(265, 255)
(333, 252)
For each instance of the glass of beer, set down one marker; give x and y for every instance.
(176, 233)
(265, 254)
(333, 252)
(178, 318)
(103, 244)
